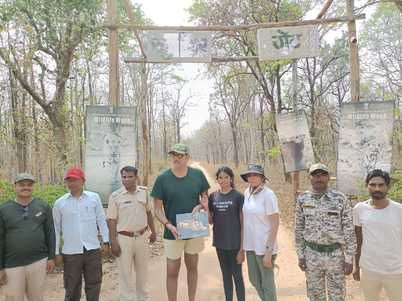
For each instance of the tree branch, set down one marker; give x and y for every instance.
(18, 75)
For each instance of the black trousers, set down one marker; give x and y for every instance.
(88, 264)
(231, 271)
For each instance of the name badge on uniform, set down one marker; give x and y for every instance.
(332, 213)
(309, 208)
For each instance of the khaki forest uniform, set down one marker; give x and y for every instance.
(130, 211)
(325, 238)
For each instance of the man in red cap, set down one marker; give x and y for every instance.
(77, 217)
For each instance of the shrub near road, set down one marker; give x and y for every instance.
(47, 193)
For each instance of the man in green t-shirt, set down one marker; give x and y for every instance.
(27, 243)
(179, 190)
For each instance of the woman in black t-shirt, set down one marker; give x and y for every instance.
(225, 213)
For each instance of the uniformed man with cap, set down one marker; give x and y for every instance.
(129, 217)
(325, 238)
(27, 243)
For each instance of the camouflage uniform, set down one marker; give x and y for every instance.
(323, 221)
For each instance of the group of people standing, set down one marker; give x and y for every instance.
(245, 226)
(75, 233)
(330, 235)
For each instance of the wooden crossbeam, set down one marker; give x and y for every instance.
(343, 19)
(190, 60)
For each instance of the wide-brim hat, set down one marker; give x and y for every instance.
(253, 169)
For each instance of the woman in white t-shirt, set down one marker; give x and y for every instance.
(261, 223)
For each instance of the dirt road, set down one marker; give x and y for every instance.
(290, 280)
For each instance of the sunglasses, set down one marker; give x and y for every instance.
(176, 155)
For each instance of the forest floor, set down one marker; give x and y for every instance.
(290, 280)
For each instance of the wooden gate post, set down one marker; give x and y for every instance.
(114, 78)
(353, 54)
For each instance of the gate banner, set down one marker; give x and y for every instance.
(288, 42)
(183, 46)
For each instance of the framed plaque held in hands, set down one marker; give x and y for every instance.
(191, 225)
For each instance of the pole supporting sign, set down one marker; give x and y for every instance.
(288, 42)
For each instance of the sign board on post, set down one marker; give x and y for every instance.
(365, 143)
(288, 42)
(168, 46)
(110, 145)
(294, 138)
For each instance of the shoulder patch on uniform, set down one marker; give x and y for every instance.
(301, 197)
(142, 187)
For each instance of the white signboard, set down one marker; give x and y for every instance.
(164, 45)
(294, 138)
(288, 42)
(365, 143)
(110, 145)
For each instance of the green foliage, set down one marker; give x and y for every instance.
(50, 17)
(47, 193)
(274, 152)
(197, 9)
(6, 191)
(396, 190)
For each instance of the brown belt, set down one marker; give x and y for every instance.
(133, 234)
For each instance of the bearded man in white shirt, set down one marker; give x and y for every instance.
(77, 217)
(378, 227)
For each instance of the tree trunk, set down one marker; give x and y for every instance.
(177, 122)
(235, 148)
(58, 120)
(144, 126)
(278, 89)
(164, 130)
(19, 130)
(262, 136)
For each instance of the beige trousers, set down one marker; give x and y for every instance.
(26, 281)
(133, 268)
(372, 284)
